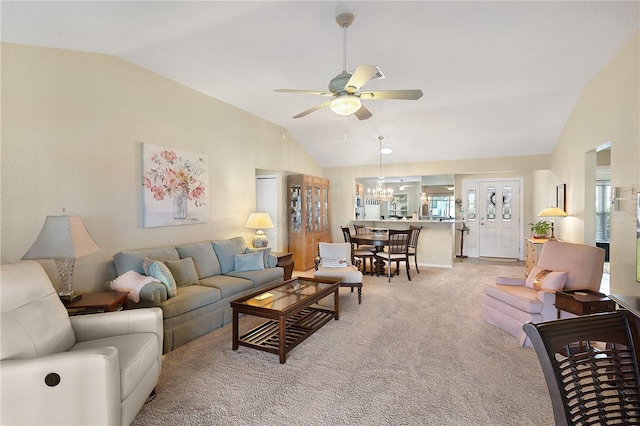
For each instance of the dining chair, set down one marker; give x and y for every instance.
(358, 253)
(590, 364)
(397, 251)
(413, 244)
(363, 229)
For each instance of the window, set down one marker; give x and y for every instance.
(603, 210)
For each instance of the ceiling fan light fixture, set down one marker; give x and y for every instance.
(386, 150)
(345, 104)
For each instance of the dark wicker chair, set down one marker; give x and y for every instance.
(590, 364)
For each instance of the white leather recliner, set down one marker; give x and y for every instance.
(94, 369)
(510, 303)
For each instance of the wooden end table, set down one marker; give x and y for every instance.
(583, 302)
(92, 303)
(285, 260)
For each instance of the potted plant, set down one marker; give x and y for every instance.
(540, 229)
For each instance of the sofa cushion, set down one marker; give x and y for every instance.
(183, 271)
(132, 260)
(248, 262)
(188, 299)
(227, 285)
(225, 249)
(543, 279)
(136, 352)
(518, 296)
(204, 258)
(261, 277)
(161, 272)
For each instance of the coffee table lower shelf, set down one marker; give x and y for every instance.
(266, 337)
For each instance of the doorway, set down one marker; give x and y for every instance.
(267, 201)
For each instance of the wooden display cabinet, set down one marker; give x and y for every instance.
(533, 247)
(308, 203)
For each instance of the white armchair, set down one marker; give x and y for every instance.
(335, 261)
(512, 301)
(87, 369)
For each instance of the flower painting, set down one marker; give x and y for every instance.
(175, 185)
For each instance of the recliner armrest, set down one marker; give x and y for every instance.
(109, 324)
(511, 280)
(92, 373)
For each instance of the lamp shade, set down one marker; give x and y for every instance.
(259, 220)
(552, 212)
(62, 237)
(345, 104)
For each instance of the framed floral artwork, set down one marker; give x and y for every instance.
(175, 186)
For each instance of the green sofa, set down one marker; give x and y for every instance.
(201, 303)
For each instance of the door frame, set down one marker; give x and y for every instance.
(472, 238)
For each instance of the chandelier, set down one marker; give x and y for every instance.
(380, 193)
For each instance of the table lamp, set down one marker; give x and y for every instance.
(552, 212)
(259, 221)
(63, 239)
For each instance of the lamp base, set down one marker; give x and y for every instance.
(69, 298)
(260, 240)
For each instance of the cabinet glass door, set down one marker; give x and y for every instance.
(317, 207)
(308, 208)
(325, 208)
(295, 208)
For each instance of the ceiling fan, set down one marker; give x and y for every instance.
(345, 87)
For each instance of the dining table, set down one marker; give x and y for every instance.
(379, 241)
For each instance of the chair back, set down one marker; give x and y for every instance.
(346, 234)
(590, 364)
(33, 320)
(336, 251)
(362, 229)
(583, 263)
(415, 233)
(399, 241)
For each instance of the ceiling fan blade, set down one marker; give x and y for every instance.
(310, 110)
(363, 113)
(360, 76)
(411, 95)
(307, 92)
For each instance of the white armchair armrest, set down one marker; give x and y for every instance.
(92, 373)
(109, 324)
(510, 280)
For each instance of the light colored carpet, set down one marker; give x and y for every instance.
(414, 353)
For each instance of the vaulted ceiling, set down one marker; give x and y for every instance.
(499, 78)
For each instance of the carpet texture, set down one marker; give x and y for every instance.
(414, 353)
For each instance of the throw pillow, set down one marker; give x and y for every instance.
(249, 262)
(265, 251)
(183, 271)
(131, 282)
(543, 279)
(334, 263)
(160, 271)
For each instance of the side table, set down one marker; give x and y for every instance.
(285, 260)
(92, 303)
(583, 302)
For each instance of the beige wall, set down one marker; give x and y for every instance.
(608, 110)
(72, 128)
(343, 179)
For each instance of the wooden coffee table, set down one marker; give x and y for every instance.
(292, 318)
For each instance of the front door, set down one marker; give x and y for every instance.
(499, 218)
